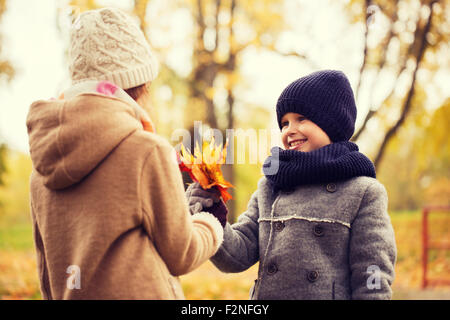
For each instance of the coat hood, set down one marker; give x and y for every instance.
(69, 137)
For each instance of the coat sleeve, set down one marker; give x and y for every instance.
(183, 241)
(372, 247)
(240, 249)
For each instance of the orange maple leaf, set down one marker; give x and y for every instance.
(204, 166)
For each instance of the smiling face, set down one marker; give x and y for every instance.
(301, 134)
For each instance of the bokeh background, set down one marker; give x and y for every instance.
(224, 63)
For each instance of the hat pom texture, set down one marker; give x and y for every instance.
(324, 97)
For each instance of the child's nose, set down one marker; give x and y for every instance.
(291, 129)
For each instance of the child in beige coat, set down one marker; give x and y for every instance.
(109, 212)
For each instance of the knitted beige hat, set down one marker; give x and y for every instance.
(107, 44)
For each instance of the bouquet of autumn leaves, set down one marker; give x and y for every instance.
(204, 166)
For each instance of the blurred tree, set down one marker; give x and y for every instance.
(222, 30)
(14, 195)
(247, 174)
(140, 10)
(402, 37)
(6, 69)
(6, 73)
(433, 143)
(416, 169)
(3, 153)
(79, 6)
(433, 163)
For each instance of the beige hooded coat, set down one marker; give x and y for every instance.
(109, 213)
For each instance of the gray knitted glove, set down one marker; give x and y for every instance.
(199, 199)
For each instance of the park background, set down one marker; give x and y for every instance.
(224, 63)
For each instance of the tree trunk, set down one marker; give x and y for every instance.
(407, 105)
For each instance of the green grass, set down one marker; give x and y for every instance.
(17, 236)
(18, 270)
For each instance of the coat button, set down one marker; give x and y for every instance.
(279, 225)
(331, 187)
(318, 230)
(272, 268)
(312, 276)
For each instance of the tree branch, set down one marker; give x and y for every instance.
(374, 111)
(140, 10)
(200, 18)
(407, 105)
(216, 39)
(367, 3)
(302, 56)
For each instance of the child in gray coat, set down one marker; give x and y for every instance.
(318, 222)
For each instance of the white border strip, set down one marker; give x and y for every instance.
(285, 218)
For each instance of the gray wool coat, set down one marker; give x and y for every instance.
(326, 241)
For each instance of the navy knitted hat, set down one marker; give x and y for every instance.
(324, 97)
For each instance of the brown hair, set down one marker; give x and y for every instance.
(136, 92)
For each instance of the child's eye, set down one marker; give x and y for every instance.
(284, 124)
(301, 118)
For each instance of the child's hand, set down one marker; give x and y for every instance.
(200, 199)
(220, 211)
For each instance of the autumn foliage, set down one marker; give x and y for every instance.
(204, 166)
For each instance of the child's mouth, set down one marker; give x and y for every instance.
(296, 144)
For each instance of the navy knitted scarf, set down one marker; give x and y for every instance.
(287, 169)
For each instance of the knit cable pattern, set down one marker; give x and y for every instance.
(107, 44)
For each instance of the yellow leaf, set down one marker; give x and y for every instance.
(204, 166)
